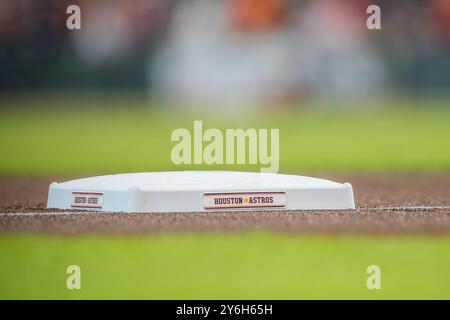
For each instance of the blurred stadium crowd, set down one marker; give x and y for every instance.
(230, 51)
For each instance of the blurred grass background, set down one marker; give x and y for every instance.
(39, 137)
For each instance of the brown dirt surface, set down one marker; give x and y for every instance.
(386, 204)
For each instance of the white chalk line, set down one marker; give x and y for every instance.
(28, 214)
(406, 208)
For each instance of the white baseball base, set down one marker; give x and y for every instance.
(192, 191)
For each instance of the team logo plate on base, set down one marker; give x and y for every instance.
(244, 200)
(87, 200)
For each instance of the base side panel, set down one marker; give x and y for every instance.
(136, 200)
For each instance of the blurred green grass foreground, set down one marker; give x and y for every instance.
(224, 266)
(59, 136)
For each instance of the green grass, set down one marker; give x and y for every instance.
(80, 139)
(248, 265)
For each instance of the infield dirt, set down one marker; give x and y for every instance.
(386, 203)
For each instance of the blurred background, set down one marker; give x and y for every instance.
(227, 54)
(347, 97)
